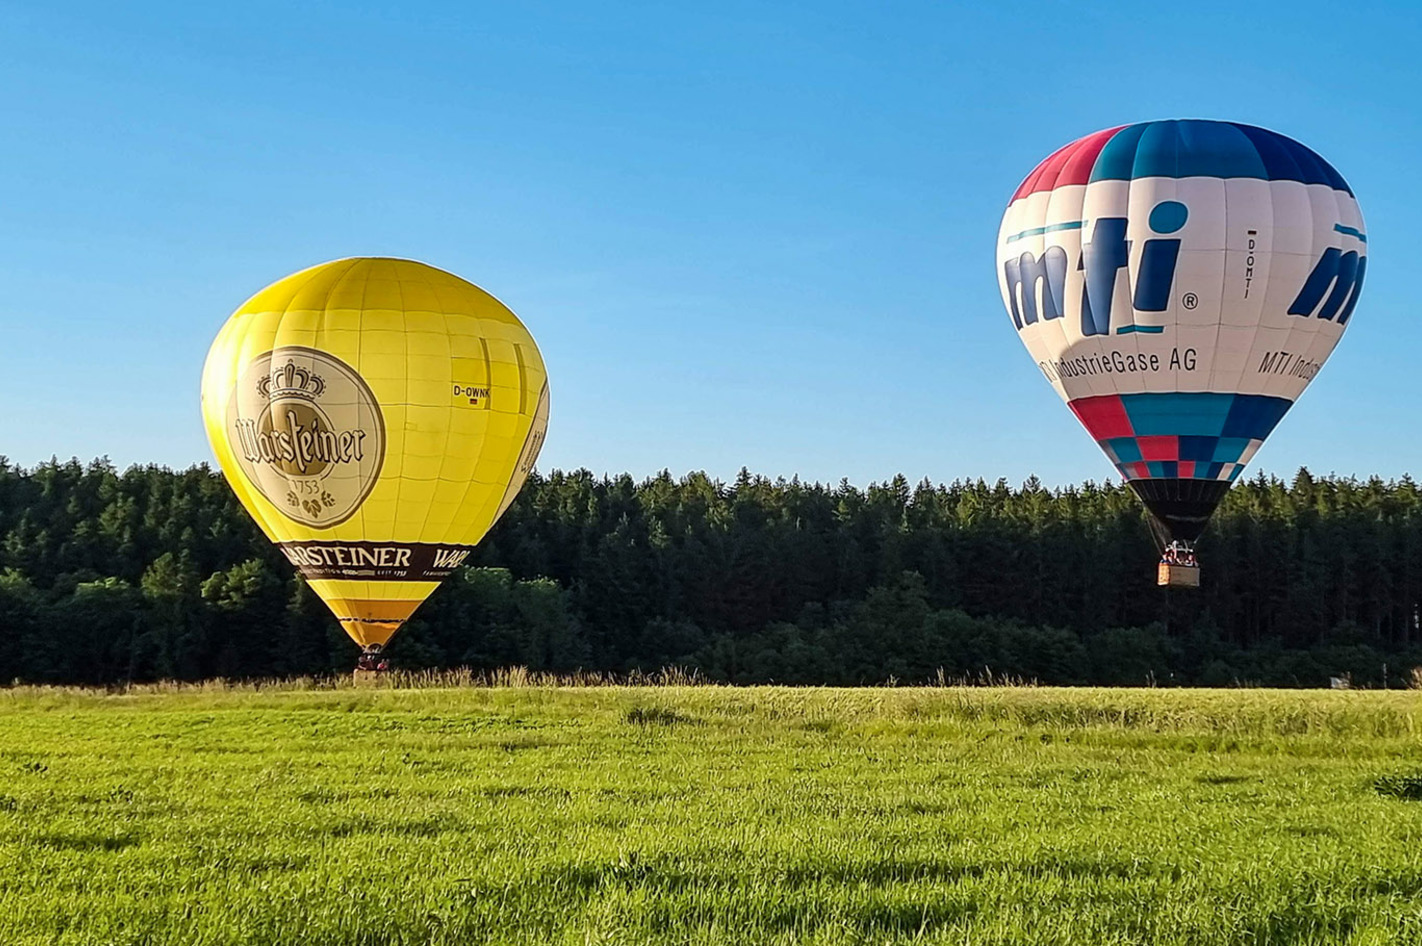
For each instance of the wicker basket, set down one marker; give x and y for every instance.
(1177, 576)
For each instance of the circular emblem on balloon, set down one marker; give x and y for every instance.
(388, 419)
(309, 434)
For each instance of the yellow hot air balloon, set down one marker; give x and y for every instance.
(376, 417)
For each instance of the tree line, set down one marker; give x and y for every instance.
(150, 573)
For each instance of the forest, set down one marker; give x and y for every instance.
(109, 577)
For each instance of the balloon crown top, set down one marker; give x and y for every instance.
(291, 380)
(1181, 148)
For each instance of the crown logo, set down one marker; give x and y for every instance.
(291, 380)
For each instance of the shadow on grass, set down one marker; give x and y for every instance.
(1408, 787)
(657, 716)
(331, 796)
(83, 843)
(424, 828)
(669, 875)
(675, 895)
(1304, 923)
(873, 922)
(521, 791)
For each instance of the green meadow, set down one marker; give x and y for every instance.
(301, 814)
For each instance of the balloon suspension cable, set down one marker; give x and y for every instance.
(1159, 532)
(1178, 552)
(371, 660)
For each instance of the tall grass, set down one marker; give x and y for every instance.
(455, 809)
(393, 680)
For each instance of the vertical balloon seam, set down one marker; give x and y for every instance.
(1215, 383)
(449, 532)
(242, 355)
(350, 593)
(452, 531)
(1224, 201)
(1165, 141)
(490, 511)
(474, 481)
(1210, 383)
(529, 443)
(359, 591)
(214, 425)
(1134, 384)
(520, 475)
(1029, 183)
(460, 486)
(397, 273)
(350, 273)
(1075, 204)
(1322, 241)
(349, 590)
(403, 402)
(407, 406)
(1335, 239)
(1081, 214)
(1054, 166)
(522, 380)
(1320, 244)
(241, 332)
(424, 534)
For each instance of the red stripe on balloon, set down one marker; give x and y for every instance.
(1103, 416)
(1159, 448)
(1071, 164)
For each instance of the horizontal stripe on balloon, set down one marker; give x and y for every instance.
(1049, 228)
(1350, 231)
(1207, 414)
(1205, 435)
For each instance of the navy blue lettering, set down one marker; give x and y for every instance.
(1024, 273)
(1102, 258)
(1156, 275)
(1341, 271)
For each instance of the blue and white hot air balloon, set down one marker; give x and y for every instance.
(1179, 283)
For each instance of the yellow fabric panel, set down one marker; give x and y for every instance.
(373, 590)
(356, 354)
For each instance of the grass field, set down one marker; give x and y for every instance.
(710, 815)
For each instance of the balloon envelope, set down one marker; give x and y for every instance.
(375, 417)
(1179, 283)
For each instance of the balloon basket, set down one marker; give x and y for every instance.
(367, 678)
(372, 666)
(1177, 576)
(1178, 567)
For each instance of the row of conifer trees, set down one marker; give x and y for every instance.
(109, 576)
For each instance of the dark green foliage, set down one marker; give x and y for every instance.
(108, 577)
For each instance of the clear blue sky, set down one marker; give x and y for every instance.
(743, 233)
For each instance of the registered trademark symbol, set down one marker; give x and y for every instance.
(1190, 300)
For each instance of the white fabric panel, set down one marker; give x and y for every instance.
(1249, 241)
(1247, 248)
